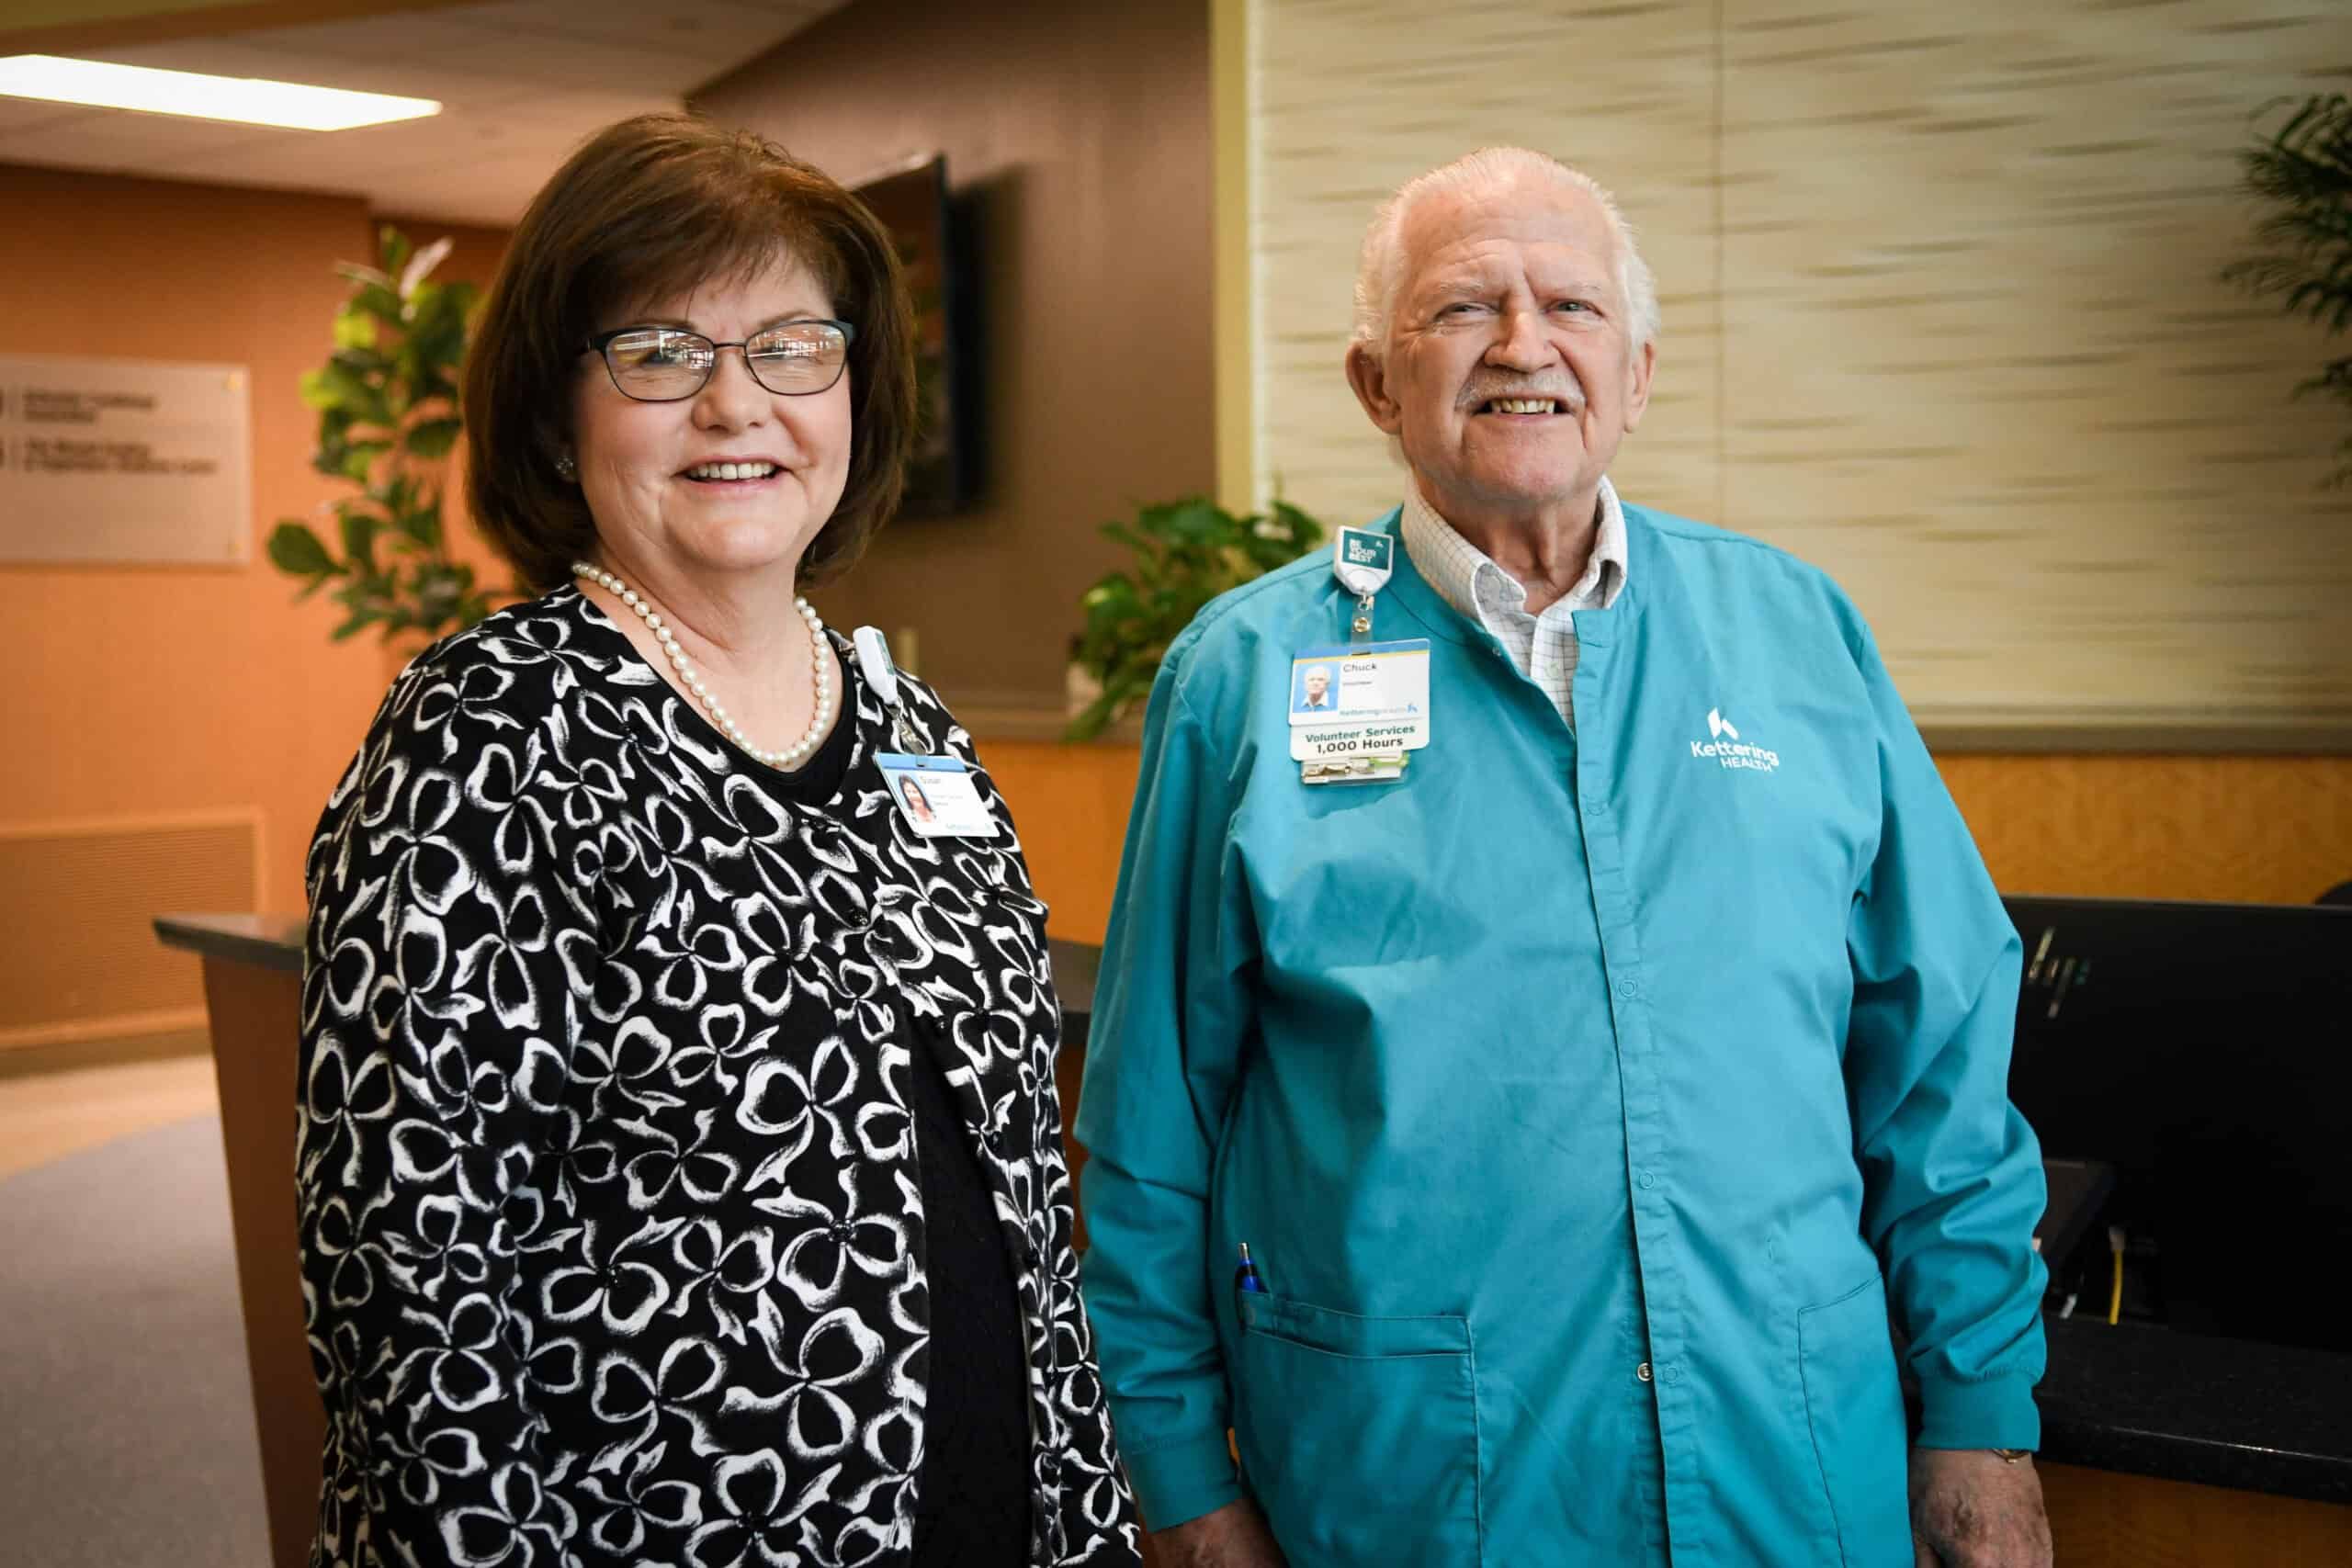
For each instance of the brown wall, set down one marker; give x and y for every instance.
(149, 690)
(2257, 829)
(1080, 131)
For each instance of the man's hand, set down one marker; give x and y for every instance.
(1233, 1537)
(1971, 1508)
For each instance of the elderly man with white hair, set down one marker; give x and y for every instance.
(1514, 1147)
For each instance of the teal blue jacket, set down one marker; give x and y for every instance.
(1585, 1097)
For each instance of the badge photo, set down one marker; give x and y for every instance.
(936, 795)
(1313, 689)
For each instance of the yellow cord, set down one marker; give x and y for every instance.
(2115, 1297)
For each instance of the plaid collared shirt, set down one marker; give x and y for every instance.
(1544, 647)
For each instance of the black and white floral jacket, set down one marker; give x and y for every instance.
(612, 1236)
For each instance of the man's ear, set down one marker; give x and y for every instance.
(1637, 384)
(1369, 378)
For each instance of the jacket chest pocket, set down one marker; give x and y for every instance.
(1359, 1436)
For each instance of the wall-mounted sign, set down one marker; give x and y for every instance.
(124, 461)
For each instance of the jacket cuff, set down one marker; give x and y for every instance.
(1182, 1480)
(1990, 1413)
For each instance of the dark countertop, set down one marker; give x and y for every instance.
(268, 941)
(2233, 1413)
(2131, 1399)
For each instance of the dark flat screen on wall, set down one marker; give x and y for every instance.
(913, 204)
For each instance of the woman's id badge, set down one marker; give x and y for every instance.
(936, 795)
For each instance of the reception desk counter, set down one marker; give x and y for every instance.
(2159, 1449)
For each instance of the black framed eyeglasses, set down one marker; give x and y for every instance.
(662, 364)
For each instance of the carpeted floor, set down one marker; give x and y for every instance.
(126, 1423)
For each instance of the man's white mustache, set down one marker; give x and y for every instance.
(1568, 395)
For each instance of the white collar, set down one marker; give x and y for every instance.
(1454, 566)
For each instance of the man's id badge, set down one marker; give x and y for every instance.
(1367, 701)
(936, 796)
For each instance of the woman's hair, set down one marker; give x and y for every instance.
(651, 207)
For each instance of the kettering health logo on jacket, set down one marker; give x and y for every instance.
(1723, 744)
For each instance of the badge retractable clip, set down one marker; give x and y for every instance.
(881, 672)
(1363, 562)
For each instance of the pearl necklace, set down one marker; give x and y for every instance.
(792, 755)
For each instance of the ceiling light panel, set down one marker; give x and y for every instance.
(243, 99)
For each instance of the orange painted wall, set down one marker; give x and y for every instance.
(2261, 829)
(2257, 829)
(1070, 805)
(138, 690)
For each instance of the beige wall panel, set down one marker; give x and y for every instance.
(1350, 98)
(1978, 363)
(1971, 355)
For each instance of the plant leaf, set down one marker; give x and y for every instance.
(378, 301)
(359, 458)
(421, 265)
(359, 537)
(432, 438)
(393, 249)
(295, 550)
(354, 329)
(421, 523)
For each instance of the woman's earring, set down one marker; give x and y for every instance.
(565, 467)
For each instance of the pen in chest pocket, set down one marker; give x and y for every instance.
(1245, 1278)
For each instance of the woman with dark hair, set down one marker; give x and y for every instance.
(680, 1173)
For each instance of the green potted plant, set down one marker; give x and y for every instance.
(389, 415)
(1187, 552)
(2302, 173)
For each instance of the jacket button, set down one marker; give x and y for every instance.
(1648, 1181)
(1629, 989)
(1643, 1371)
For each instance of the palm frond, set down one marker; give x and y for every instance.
(2302, 172)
